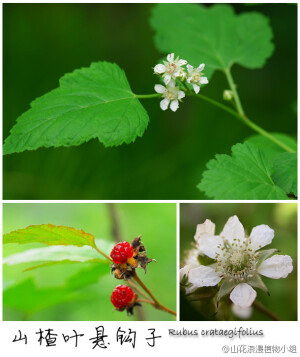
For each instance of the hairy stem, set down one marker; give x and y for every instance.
(156, 303)
(260, 307)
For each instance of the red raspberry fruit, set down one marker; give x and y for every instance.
(121, 252)
(122, 296)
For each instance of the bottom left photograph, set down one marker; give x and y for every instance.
(89, 261)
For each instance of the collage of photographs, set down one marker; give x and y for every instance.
(149, 167)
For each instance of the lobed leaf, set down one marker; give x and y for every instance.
(50, 235)
(212, 35)
(94, 102)
(285, 172)
(268, 147)
(244, 175)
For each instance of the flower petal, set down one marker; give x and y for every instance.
(167, 78)
(181, 94)
(159, 68)
(203, 276)
(242, 312)
(189, 79)
(170, 57)
(182, 62)
(201, 67)
(203, 80)
(233, 229)
(208, 227)
(243, 295)
(159, 88)
(276, 267)
(186, 269)
(189, 68)
(196, 88)
(174, 105)
(261, 236)
(164, 104)
(210, 245)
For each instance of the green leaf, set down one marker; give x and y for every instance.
(212, 35)
(50, 235)
(268, 147)
(244, 175)
(94, 102)
(54, 254)
(285, 172)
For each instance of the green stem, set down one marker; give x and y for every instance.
(248, 122)
(234, 91)
(145, 96)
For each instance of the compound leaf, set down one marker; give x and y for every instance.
(94, 102)
(244, 175)
(212, 35)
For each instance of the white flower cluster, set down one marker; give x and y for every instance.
(237, 261)
(171, 70)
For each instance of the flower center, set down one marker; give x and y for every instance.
(170, 95)
(171, 68)
(196, 77)
(236, 261)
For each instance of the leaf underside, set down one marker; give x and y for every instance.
(212, 35)
(244, 175)
(50, 235)
(94, 102)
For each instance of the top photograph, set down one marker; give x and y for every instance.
(149, 101)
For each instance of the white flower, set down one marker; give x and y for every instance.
(171, 68)
(238, 261)
(171, 94)
(242, 312)
(195, 77)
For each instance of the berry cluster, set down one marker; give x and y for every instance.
(126, 258)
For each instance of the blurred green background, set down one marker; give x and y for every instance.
(282, 217)
(67, 292)
(41, 42)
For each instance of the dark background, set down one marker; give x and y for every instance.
(42, 42)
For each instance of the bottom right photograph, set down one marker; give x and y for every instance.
(238, 261)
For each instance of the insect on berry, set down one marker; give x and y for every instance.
(122, 296)
(121, 252)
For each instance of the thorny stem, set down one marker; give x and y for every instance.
(260, 307)
(156, 303)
